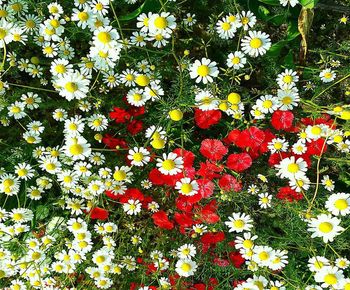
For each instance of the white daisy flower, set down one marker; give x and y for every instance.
(236, 60)
(327, 75)
(325, 226)
(170, 164)
(338, 204)
(257, 43)
(204, 71)
(139, 156)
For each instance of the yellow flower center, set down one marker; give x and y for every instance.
(278, 145)
(50, 166)
(186, 188)
(316, 130)
(239, 224)
(225, 26)
(137, 97)
(60, 68)
(99, 6)
(8, 182)
(267, 104)
(138, 157)
(76, 226)
(325, 227)
(264, 200)
(203, 70)
(17, 216)
(160, 22)
(287, 100)
(119, 175)
(245, 20)
(71, 87)
(67, 179)
(129, 77)
(17, 37)
(142, 80)
(330, 279)
(3, 13)
(263, 256)
(17, 6)
(256, 43)
(168, 164)
(36, 256)
(30, 24)
(328, 75)
(83, 16)
(104, 37)
(248, 244)
(55, 23)
(341, 204)
(100, 259)
(76, 149)
(293, 168)
(236, 60)
(186, 267)
(337, 139)
(287, 79)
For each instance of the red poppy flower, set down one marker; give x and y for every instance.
(187, 156)
(324, 119)
(119, 115)
(209, 170)
(317, 147)
(232, 136)
(236, 259)
(251, 137)
(184, 219)
(208, 216)
(239, 162)
(213, 149)
(206, 187)
(289, 194)
(229, 183)
(282, 120)
(132, 193)
(183, 203)
(221, 262)
(268, 138)
(114, 143)
(206, 119)
(160, 219)
(276, 158)
(136, 111)
(98, 213)
(212, 238)
(134, 127)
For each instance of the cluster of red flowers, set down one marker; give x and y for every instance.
(237, 152)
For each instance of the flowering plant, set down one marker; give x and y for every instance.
(166, 144)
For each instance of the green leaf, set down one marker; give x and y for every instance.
(133, 14)
(277, 19)
(147, 6)
(263, 10)
(276, 48)
(292, 31)
(271, 2)
(42, 212)
(289, 60)
(308, 3)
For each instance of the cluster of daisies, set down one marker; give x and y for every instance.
(286, 99)
(256, 256)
